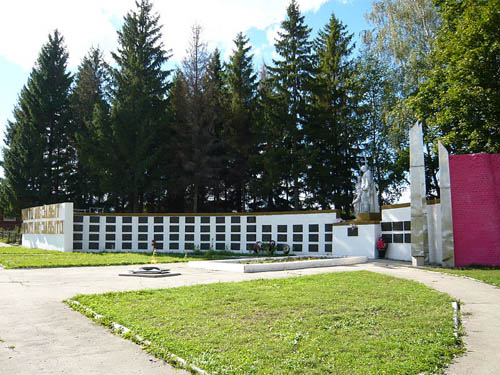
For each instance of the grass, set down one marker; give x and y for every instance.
(21, 257)
(490, 275)
(336, 323)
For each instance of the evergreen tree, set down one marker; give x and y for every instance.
(242, 88)
(334, 133)
(177, 181)
(291, 76)
(217, 112)
(91, 132)
(198, 141)
(139, 104)
(266, 187)
(37, 157)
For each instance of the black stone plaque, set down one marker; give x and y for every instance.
(398, 238)
(398, 226)
(352, 232)
(386, 226)
(313, 238)
(313, 228)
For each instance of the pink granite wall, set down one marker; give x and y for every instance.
(475, 196)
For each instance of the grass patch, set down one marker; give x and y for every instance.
(336, 323)
(490, 275)
(21, 257)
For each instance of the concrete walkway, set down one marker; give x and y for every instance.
(41, 335)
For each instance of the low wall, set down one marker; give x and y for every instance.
(308, 232)
(358, 240)
(396, 231)
(48, 227)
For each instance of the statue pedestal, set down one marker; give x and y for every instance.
(369, 216)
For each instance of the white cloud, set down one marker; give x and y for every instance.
(25, 24)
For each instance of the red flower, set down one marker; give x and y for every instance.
(381, 245)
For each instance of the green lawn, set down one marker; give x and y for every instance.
(20, 257)
(336, 323)
(490, 275)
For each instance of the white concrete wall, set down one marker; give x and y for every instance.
(364, 244)
(397, 251)
(36, 239)
(97, 233)
(402, 251)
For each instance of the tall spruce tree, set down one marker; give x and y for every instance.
(217, 110)
(138, 114)
(334, 132)
(242, 87)
(198, 145)
(266, 187)
(91, 131)
(37, 156)
(292, 78)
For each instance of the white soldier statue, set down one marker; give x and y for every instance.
(366, 196)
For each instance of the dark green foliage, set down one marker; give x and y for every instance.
(138, 114)
(291, 78)
(461, 97)
(91, 129)
(334, 132)
(214, 138)
(196, 130)
(239, 134)
(37, 157)
(380, 147)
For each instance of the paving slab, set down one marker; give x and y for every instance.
(41, 335)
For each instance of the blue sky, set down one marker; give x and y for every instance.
(27, 23)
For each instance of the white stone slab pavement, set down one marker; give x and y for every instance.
(41, 335)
